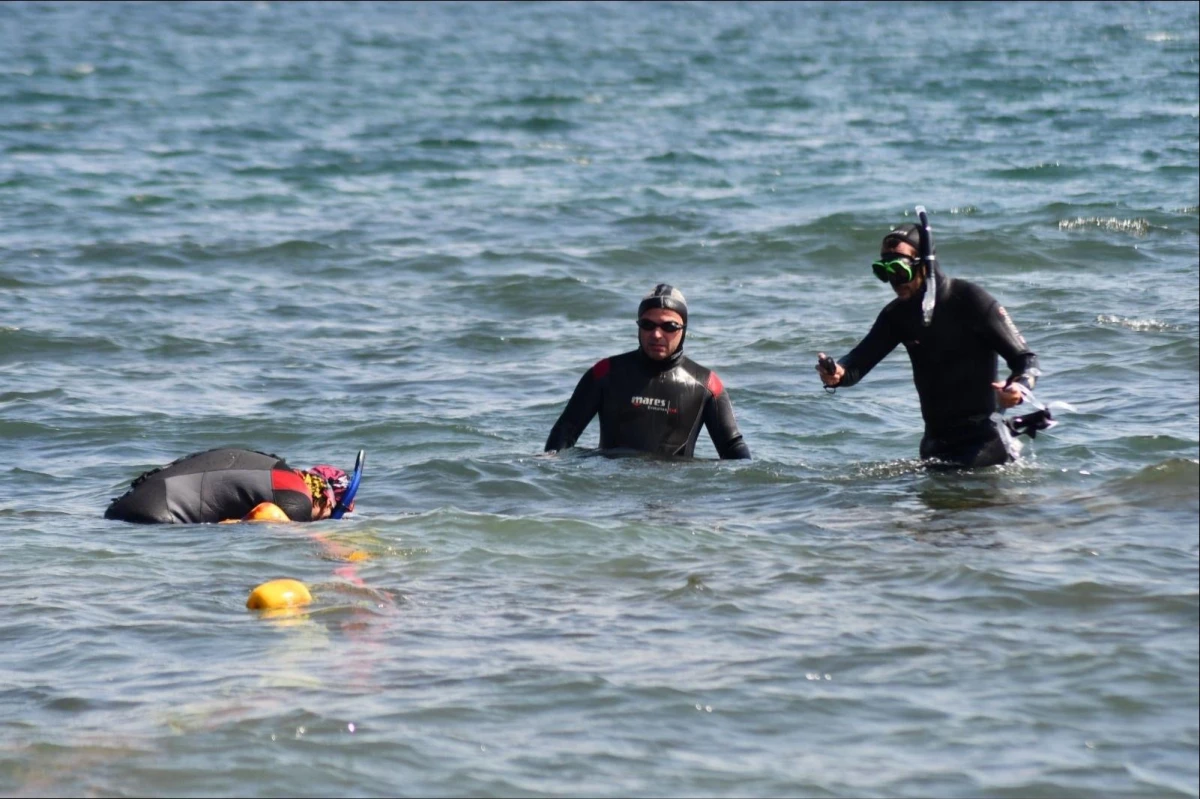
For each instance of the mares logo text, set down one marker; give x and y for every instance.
(652, 404)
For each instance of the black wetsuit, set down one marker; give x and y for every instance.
(211, 487)
(652, 406)
(954, 365)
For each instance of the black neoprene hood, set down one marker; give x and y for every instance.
(666, 296)
(909, 233)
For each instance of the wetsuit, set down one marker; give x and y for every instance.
(211, 487)
(652, 406)
(954, 365)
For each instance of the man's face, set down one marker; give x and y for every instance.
(907, 290)
(657, 343)
(321, 509)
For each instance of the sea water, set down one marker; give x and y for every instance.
(310, 228)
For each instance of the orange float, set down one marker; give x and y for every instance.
(266, 512)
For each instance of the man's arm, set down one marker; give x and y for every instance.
(880, 340)
(1003, 336)
(579, 411)
(722, 427)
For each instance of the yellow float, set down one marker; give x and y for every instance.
(277, 594)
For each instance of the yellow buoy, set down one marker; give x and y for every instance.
(266, 512)
(276, 594)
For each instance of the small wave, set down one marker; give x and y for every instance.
(32, 396)
(1046, 170)
(290, 248)
(1183, 471)
(1135, 324)
(32, 149)
(30, 344)
(671, 221)
(1172, 479)
(148, 200)
(135, 253)
(239, 134)
(177, 346)
(36, 126)
(1161, 36)
(450, 144)
(537, 124)
(1136, 227)
(684, 157)
(448, 183)
(548, 99)
(773, 100)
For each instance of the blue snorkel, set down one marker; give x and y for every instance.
(347, 500)
(930, 259)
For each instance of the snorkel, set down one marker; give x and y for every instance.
(930, 258)
(343, 505)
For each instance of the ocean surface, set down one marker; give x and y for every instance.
(313, 228)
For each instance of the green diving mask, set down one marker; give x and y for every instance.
(894, 268)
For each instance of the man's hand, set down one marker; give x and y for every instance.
(829, 378)
(1008, 396)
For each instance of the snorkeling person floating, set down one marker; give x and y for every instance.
(654, 398)
(953, 331)
(228, 484)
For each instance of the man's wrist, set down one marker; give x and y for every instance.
(1026, 380)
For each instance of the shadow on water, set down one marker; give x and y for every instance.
(622, 453)
(954, 508)
(954, 491)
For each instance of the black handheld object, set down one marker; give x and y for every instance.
(829, 367)
(1030, 423)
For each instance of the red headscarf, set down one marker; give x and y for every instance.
(336, 482)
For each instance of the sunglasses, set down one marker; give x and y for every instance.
(666, 327)
(895, 268)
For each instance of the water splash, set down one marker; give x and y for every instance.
(1139, 325)
(1136, 227)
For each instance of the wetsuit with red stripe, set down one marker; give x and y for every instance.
(211, 487)
(651, 406)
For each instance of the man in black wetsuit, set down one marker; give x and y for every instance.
(953, 354)
(653, 399)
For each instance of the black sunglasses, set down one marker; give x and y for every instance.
(666, 327)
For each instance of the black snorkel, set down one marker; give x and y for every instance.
(343, 505)
(929, 257)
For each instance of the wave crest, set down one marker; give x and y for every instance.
(1136, 227)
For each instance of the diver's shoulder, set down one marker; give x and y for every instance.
(964, 290)
(704, 375)
(603, 367)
